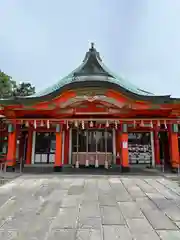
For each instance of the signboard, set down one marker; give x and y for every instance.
(125, 144)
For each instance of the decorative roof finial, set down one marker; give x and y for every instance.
(92, 45)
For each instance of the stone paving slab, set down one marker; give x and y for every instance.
(107, 200)
(89, 234)
(89, 209)
(89, 223)
(114, 232)
(169, 235)
(145, 203)
(62, 234)
(66, 218)
(159, 220)
(111, 216)
(130, 210)
(139, 226)
(48, 207)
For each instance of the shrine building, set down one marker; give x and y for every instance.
(91, 118)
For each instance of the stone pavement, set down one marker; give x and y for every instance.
(50, 207)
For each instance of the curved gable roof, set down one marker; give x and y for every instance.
(91, 73)
(92, 65)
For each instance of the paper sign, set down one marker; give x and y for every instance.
(125, 145)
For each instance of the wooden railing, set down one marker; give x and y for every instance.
(4, 163)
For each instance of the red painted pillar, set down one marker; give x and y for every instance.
(29, 146)
(174, 147)
(124, 148)
(66, 147)
(118, 147)
(12, 143)
(58, 154)
(156, 147)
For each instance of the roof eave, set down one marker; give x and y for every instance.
(78, 84)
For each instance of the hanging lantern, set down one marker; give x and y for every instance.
(67, 125)
(106, 164)
(76, 124)
(151, 124)
(77, 164)
(82, 124)
(42, 123)
(158, 123)
(87, 163)
(142, 123)
(134, 123)
(165, 124)
(27, 124)
(91, 124)
(96, 163)
(107, 124)
(115, 124)
(35, 124)
(48, 124)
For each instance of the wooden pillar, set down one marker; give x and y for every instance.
(12, 142)
(156, 147)
(118, 147)
(124, 149)
(29, 146)
(58, 154)
(174, 147)
(21, 147)
(66, 147)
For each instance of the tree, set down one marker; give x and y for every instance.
(23, 89)
(6, 85)
(9, 88)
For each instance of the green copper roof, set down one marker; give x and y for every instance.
(92, 66)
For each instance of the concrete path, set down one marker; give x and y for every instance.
(51, 207)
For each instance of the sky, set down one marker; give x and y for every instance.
(41, 41)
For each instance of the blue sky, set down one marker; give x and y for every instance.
(42, 41)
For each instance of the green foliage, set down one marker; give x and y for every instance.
(9, 88)
(6, 86)
(24, 89)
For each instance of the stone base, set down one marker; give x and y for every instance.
(10, 169)
(58, 169)
(174, 170)
(125, 169)
(38, 168)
